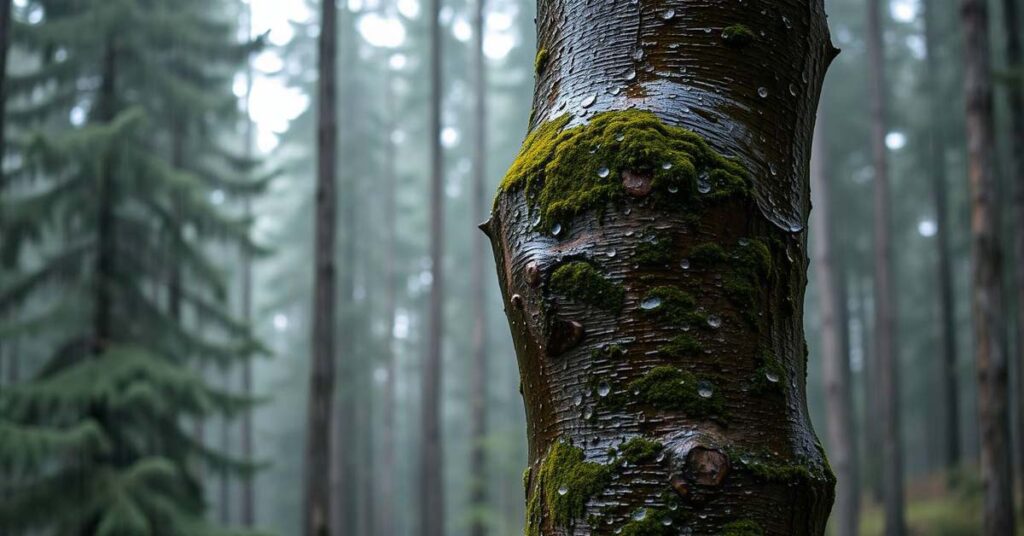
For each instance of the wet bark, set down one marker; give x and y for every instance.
(317, 493)
(1015, 61)
(746, 78)
(944, 266)
(885, 293)
(478, 374)
(986, 287)
(835, 360)
(431, 481)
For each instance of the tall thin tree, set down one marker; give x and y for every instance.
(944, 269)
(654, 286)
(317, 507)
(986, 288)
(478, 379)
(885, 293)
(5, 43)
(431, 478)
(248, 511)
(835, 358)
(386, 489)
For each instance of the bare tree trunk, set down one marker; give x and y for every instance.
(5, 43)
(431, 484)
(947, 309)
(1015, 61)
(224, 478)
(654, 287)
(886, 348)
(986, 256)
(478, 375)
(317, 499)
(835, 360)
(248, 512)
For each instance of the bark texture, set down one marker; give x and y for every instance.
(317, 499)
(886, 352)
(986, 258)
(835, 359)
(650, 248)
(431, 484)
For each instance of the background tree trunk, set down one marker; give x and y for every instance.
(248, 512)
(944, 269)
(835, 360)
(431, 490)
(663, 387)
(5, 43)
(986, 257)
(478, 379)
(317, 500)
(885, 297)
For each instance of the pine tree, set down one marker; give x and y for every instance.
(94, 442)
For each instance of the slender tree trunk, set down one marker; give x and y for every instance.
(947, 308)
(872, 409)
(654, 288)
(106, 109)
(1015, 61)
(835, 360)
(224, 479)
(885, 293)
(5, 42)
(431, 485)
(986, 256)
(14, 362)
(248, 511)
(478, 374)
(317, 499)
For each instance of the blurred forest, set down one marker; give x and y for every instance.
(157, 237)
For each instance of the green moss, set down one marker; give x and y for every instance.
(738, 35)
(673, 305)
(564, 468)
(653, 524)
(582, 282)
(639, 450)
(566, 171)
(656, 251)
(708, 254)
(746, 527)
(540, 61)
(681, 345)
(761, 466)
(669, 388)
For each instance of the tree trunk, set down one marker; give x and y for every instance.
(835, 360)
(478, 375)
(248, 511)
(654, 287)
(224, 479)
(885, 294)
(947, 308)
(317, 500)
(5, 43)
(986, 257)
(431, 485)
(1015, 61)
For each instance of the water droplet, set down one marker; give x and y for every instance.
(638, 54)
(762, 92)
(744, 242)
(703, 186)
(715, 321)
(661, 457)
(650, 303)
(631, 74)
(792, 89)
(672, 189)
(603, 389)
(795, 227)
(667, 521)
(640, 514)
(668, 14)
(588, 101)
(603, 172)
(577, 400)
(705, 390)
(588, 413)
(771, 376)
(611, 253)
(620, 136)
(774, 171)
(563, 490)
(684, 264)
(666, 165)
(556, 229)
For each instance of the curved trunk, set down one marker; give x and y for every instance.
(655, 286)
(986, 287)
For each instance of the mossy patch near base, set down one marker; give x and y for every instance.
(566, 481)
(746, 527)
(583, 282)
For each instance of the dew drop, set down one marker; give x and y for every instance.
(577, 400)
(650, 303)
(762, 92)
(588, 101)
(715, 321)
(668, 14)
(705, 390)
(556, 229)
(620, 136)
(631, 74)
(684, 264)
(563, 490)
(603, 172)
(611, 253)
(666, 521)
(640, 514)
(792, 89)
(771, 377)
(603, 389)
(666, 165)
(672, 189)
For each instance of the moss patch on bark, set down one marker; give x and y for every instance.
(565, 482)
(746, 527)
(669, 388)
(566, 171)
(738, 36)
(639, 450)
(673, 305)
(654, 524)
(681, 345)
(582, 282)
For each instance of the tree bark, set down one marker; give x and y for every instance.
(1015, 61)
(248, 507)
(986, 257)
(431, 484)
(885, 294)
(5, 43)
(944, 270)
(654, 288)
(317, 499)
(478, 379)
(835, 360)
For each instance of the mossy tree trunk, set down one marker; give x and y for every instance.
(651, 251)
(986, 259)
